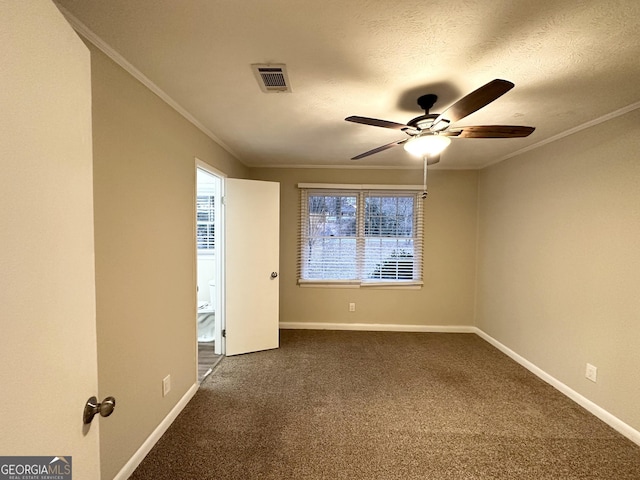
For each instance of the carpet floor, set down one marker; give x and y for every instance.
(382, 405)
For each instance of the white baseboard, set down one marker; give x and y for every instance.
(377, 327)
(148, 444)
(611, 420)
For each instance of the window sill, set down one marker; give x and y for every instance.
(413, 285)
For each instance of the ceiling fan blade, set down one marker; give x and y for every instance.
(376, 123)
(379, 149)
(490, 131)
(475, 100)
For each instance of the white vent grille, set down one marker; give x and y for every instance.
(272, 78)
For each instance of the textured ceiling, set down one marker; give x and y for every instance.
(571, 61)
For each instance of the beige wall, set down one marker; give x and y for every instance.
(449, 255)
(144, 184)
(559, 260)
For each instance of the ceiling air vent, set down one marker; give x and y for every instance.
(272, 78)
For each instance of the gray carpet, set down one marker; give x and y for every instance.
(380, 405)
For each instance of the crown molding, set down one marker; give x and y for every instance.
(571, 131)
(105, 48)
(343, 167)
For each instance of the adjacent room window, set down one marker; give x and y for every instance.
(205, 214)
(360, 236)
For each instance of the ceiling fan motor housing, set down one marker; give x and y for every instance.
(427, 102)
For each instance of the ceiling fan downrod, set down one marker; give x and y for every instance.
(424, 177)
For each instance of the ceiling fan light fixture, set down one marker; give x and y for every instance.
(422, 145)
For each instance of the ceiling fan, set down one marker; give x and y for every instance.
(429, 133)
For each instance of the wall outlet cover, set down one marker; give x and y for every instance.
(166, 385)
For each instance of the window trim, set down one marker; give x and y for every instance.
(362, 190)
(358, 186)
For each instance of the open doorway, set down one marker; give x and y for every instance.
(208, 265)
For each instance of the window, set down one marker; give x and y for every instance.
(205, 214)
(360, 236)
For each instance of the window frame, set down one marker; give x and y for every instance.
(361, 192)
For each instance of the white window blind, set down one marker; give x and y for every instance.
(205, 215)
(361, 237)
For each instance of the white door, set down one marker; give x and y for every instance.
(48, 366)
(252, 244)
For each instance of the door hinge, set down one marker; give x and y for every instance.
(223, 200)
(224, 333)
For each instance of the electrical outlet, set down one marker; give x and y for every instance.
(166, 385)
(352, 307)
(591, 372)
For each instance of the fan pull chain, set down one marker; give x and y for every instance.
(424, 178)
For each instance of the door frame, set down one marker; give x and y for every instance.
(219, 341)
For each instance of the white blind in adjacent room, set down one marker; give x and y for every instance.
(205, 215)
